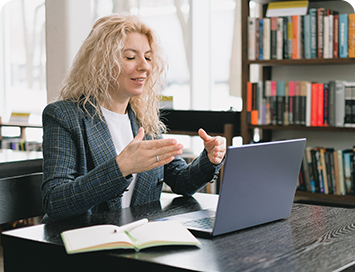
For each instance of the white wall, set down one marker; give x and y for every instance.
(68, 23)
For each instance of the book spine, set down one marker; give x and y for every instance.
(266, 39)
(308, 104)
(303, 102)
(313, 22)
(273, 37)
(339, 103)
(285, 37)
(289, 36)
(280, 89)
(331, 38)
(261, 39)
(336, 36)
(254, 104)
(314, 104)
(320, 104)
(268, 102)
(320, 21)
(352, 104)
(251, 38)
(351, 35)
(286, 112)
(343, 35)
(307, 36)
(326, 104)
(331, 107)
(273, 103)
(297, 105)
(249, 101)
(347, 171)
(291, 98)
(295, 36)
(257, 38)
(348, 105)
(279, 38)
(326, 37)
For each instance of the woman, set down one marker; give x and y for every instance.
(102, 143)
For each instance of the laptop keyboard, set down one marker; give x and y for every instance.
(202, 223)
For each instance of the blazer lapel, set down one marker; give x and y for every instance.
(99, 140)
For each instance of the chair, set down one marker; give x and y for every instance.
(20, 190)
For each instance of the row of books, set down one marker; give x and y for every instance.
(322, 33)
(302, 103)
(19, 144)
(328, 171)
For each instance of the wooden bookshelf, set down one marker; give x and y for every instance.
(270, 70)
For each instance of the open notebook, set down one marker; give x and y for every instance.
(258, 186)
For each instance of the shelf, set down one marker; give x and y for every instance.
(323, 199)
(275, 62)
(298, 128)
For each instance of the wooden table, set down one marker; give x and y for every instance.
(313, 238)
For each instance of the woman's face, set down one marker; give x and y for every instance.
(136, 66)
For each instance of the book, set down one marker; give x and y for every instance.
(273, 37)
(351, 36)
(279, 38)
(287, 111)
(313, 30)
(326, 104)
(339, 103)
(289, 36)
(331, 103)
(291, 102)
(251, 38)
(273, 103)
(347, 153)
(308, 104)
(254, 104)
(296, 39)
(320, 99)
(307, 36)
(314, 104)
(303, 102)
(326, 37)
(348, 104)
(261, 39)
(285, 38)
(320, 36)
(331, 38)
(297, 103)
(266, 39)
(280, 93)
(137, 235)
(343, 35)
(249, 101)
(336, 36)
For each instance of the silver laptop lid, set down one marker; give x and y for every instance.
(259, 183)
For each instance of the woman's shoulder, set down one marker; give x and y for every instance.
(62, 108)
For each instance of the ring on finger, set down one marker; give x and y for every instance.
(158, 160)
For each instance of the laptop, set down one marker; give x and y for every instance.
(258, 186)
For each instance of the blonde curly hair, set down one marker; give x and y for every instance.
(97, 65)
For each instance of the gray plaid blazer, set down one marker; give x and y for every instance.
(80, 173)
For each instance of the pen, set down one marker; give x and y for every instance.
(131, 226)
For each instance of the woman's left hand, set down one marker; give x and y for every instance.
(214, 146)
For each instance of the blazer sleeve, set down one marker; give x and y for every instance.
(69, 188)
(186, 179)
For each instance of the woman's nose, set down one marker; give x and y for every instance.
(144, 65)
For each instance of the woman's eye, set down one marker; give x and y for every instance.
(130, 58)
(148, 59)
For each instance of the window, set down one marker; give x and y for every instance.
(23, 62)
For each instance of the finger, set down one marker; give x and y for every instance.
(203, 135)
(140, 135)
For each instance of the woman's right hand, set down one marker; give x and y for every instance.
(140, 156)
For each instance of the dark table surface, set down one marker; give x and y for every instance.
(313, 238)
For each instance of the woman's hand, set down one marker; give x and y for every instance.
(214, 146)
(139, 156)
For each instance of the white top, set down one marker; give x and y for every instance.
(120, 128)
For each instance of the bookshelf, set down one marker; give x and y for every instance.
(321, 70)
